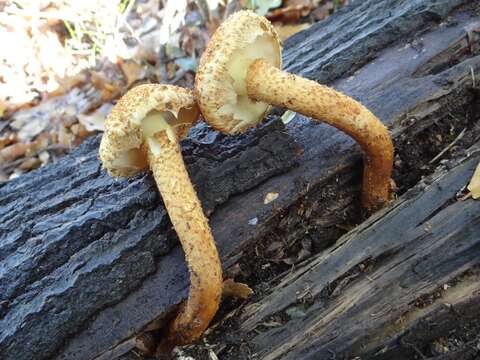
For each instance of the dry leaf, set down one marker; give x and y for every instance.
(14, 151)
(289, 14)
(107, 88)
(236, 290)
(80, 131)
(29, 125)
(6, 139)
(41, 142)
(30, 164)
(285, 31)
(474, 186)
(132, 71)
(65, 137)
(95, 120)
(68, 83)
(44, 157)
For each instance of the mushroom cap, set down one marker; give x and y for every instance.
(220, 83)
(123, 149)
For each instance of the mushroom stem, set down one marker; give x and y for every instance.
(271, 85)
(191, 225)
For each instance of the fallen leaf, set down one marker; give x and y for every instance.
(6, 139)
(29, 126)
(474, 186)
(65, 137)
(290, 14)
(285, 31)
(30, 164)
(41, 142)
(44, 157)
(95, 121)
(132, 71)
(80, 132)
(66, 84)
(236, 290)
(14, 151)
(322, 12)
(107, 88)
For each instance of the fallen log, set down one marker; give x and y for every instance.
(88, 262)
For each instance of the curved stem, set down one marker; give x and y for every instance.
(274, 86)
(191, 225)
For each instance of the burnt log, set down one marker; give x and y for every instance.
(88, 262)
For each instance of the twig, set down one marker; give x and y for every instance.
(441, 153)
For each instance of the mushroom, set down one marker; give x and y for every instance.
(143, 130)
(239, 77)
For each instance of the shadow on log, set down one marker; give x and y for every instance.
(87, 262)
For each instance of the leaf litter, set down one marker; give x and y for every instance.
(71, 61)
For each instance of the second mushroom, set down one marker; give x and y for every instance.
(239, 76)
(142, 131)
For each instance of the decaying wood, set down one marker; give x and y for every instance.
(405, 282)
(87, 262)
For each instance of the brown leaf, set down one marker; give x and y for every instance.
(14, 151)
(285, 31)
(65, 137)
(108, 89)
(6, 139)
(132, 71)
(80, 132)
(68, 83)
(289, 14)
(236, 290)
(30, 164)
(95, 121)
(44, 157)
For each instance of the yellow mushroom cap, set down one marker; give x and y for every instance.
(138, 115)
(220, 83)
